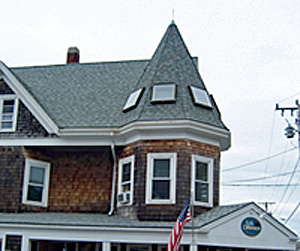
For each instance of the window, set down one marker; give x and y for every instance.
(12, 242)
(36, 183)
(202, 180)
(163, 92)
(125, 181)
(200, 96)
(8, 113)
(161, 175)
(133, 99)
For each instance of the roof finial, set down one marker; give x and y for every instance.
(173, 16)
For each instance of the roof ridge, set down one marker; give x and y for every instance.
(160, 47)
(82, 64)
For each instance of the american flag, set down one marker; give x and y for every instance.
(175, 237)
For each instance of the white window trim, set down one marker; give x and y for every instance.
(129, 159)
(155, 97)
(210, 163)
(133, 99)
(15, 114)
(150, 161)
(46, 166)
(11, 234)
(204, 100)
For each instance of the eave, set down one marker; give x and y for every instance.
(140, 130)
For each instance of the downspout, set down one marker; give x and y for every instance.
(113, 189)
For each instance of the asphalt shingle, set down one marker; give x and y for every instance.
(92, 95)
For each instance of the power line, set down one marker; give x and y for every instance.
(288, 185)
(296, 94)
(275, 192)
(261, 178)
(292, 214)
(269, 152)
(258, 161)
(261, 185)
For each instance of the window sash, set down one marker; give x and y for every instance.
(202, 180)
(8, 112)
(126, 178)
(36, 183)
(160, 183)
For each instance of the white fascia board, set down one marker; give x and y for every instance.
(83, 233)
(28, 100)
(150, 130)
(159, 130)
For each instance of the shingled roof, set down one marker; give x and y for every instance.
(92, 95)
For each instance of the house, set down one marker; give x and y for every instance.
(104, 156)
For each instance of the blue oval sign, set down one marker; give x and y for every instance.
(251, 226)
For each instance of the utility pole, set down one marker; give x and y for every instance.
(290, 131)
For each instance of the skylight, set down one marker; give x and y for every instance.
(133, 99)
(163, 92)
(200, 96)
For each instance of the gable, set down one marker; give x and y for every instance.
(12, 84)
(250, 227)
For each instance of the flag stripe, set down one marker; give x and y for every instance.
(176, 234)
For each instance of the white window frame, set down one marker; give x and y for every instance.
(210, 166)
(200, 96)
(150, 161)
(156, 89)
(15, 112)
(26, 183)
(129, 159)
(133, 99)
(11, 234)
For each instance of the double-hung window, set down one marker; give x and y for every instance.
(202, 180)
(8, 113)
(161, 178)
(36, 183)
(125, 181)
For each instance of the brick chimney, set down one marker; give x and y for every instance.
(73, 55)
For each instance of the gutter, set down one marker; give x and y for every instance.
(113, 189)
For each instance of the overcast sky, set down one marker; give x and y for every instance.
(249, 59)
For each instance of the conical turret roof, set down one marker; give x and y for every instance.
(172, 63)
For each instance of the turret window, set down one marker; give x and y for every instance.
(200, 96)
(202, 180)
(164, 92)
(161, 169)
(133, 99)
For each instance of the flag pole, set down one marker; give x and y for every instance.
(193, 244)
